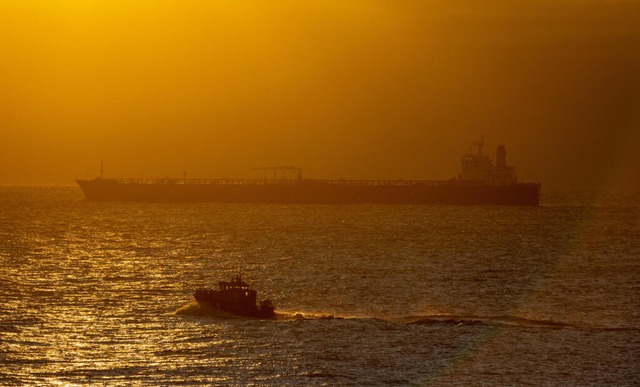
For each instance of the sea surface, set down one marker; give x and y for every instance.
(102, 293)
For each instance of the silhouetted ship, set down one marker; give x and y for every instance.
(481, 182)
(236, 297)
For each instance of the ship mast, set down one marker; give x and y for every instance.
(479, 144)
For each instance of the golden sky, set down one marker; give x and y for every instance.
(357, 89)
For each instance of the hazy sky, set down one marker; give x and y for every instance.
(354, 89)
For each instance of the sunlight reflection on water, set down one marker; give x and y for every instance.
(102, 293)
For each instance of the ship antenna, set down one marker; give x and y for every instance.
(479, 144)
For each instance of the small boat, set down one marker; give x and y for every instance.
(236, 297)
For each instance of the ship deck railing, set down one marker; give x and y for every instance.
(398, 182)
(310, 182)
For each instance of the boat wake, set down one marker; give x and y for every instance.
(195, 308)
(295, 315)
(439, 319)
(485, 320)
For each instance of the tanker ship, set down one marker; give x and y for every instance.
(481, 183)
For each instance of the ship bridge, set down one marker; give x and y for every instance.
(479, 168)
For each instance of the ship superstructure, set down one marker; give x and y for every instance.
(479, 168)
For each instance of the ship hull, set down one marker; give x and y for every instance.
(311, 192)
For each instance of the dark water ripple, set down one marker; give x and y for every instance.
(100, 293)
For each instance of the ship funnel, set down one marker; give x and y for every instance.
(501, 157)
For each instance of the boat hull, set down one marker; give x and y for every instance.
(239, 309)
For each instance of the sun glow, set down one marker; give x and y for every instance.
(357, 89)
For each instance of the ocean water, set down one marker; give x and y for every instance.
(102, 293)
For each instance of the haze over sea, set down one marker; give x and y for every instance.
(102, 293)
